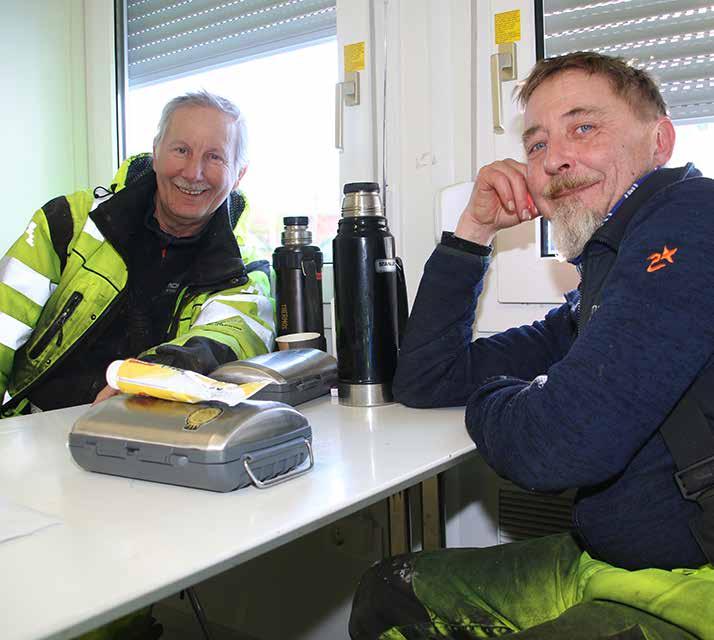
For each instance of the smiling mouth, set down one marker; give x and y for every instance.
(568, 192)
(564, 193)
(190, 192)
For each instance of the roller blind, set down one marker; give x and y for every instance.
(672, 39)
(167, 39)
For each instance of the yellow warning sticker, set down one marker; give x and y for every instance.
(354, 57)
(508, 26)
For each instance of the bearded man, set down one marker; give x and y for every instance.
(581, 399)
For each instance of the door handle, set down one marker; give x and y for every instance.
(346, 94)
(503, 68)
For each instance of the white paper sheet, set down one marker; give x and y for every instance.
(16, 520)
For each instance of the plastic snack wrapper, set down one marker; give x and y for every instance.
(169, 383)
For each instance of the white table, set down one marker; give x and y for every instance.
(126, 543)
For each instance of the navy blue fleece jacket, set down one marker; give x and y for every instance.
(552, 409)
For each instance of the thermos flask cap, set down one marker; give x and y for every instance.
(295, 220)
(354, 187)
(361, 199)
(296, 231)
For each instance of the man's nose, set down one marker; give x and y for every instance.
(559, 157)
(193, 169)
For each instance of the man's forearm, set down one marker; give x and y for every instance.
(433, 369)
(440, 364)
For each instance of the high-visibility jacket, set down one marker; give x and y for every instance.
(68, 271)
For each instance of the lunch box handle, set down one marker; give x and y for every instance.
(264, 484)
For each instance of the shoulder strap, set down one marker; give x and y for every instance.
(690, 440)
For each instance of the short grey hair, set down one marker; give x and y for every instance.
(635, 86)
(207, 99)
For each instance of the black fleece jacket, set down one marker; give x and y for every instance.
(553, 409)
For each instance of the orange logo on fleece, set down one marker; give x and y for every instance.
(659, 260)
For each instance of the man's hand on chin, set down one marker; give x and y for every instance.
(499, 200)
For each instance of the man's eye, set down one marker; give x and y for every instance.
(534, 148)
(181, 150)
(215, 157)
(584, 128)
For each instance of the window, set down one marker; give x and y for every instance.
(673, 40)
(278, 62)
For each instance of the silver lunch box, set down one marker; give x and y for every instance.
(207, 445)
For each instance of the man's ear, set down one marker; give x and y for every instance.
(664, 141)
(241, 173)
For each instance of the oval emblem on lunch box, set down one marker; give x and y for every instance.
(385, 265)
(199, 417)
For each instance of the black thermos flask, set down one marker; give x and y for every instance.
(370, 299)
(298, 271)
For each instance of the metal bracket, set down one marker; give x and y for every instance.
(696, 478)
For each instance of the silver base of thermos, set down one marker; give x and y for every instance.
(364, 395)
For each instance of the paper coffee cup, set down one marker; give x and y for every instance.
(309, 340)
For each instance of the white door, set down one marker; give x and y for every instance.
(521, 285)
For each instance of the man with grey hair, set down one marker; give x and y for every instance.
(149, 269)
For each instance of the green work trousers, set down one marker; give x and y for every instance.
(541, 589)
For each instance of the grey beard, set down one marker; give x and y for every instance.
(573, 225)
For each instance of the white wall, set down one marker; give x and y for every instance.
(102, 148)
(43, 110)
